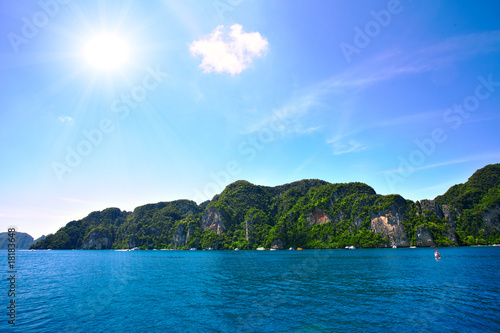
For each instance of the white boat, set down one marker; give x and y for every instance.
(261, 249)
(192, 249)
(290, 249)
(236, 249)
(272, 250)
(394, 246)
(352, 247)
(413, 247)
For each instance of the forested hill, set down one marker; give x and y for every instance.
(22, 240)
(307, 214)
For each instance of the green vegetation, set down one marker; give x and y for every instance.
(307, 214)
(22, 240)
(475, 207)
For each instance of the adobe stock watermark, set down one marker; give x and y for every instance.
(363, 37)
(95, 137)
(454, 117)
(247, 149)
(223, 6)
(31, 25)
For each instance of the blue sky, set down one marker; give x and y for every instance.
(402, 95)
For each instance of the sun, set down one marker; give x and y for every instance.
(106, 52)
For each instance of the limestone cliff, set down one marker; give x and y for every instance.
(98, 239)
(211, 220)
(491, 219)
(388, 224)
(431, 207)
(424, 237)
(318, 217)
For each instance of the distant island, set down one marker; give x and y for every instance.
(308, 214)
(23, 240)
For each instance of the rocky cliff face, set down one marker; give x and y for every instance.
(424, 237)
(181, 236)
(98, 240)
(431, 206)
(211, 220)
(277, 245)
(318, 217)
(491, 219)
(388, 224)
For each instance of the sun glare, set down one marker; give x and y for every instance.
(106, 52)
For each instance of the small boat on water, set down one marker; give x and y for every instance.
(192, 249)
(261, 249)
(290, 249)
(496, 244)
(413, 247)
(299, 249)
(272, 250)
(236, 249)
(437, 255)
(352, 247)
(394, 246)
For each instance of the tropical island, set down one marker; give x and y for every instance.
(310, 214)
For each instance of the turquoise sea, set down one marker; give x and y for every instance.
(364, 290)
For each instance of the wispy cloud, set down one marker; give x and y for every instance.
(384, 66)
(390, 122)
(457, 48)
(473, 158)
(230, 52)
(66, 119)
(351, 147)
(287, 119)
(295, 173)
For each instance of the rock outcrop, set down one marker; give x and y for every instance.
(98, 239)
(211, 220)
(388, 224)
(432, 206)
(491, 219)
(277, 245)
(180, 237)
(424, 237)
(318, 217)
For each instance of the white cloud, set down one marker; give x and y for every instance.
(351, 147)
(66, 119)
(482, 157)
(230, 52)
